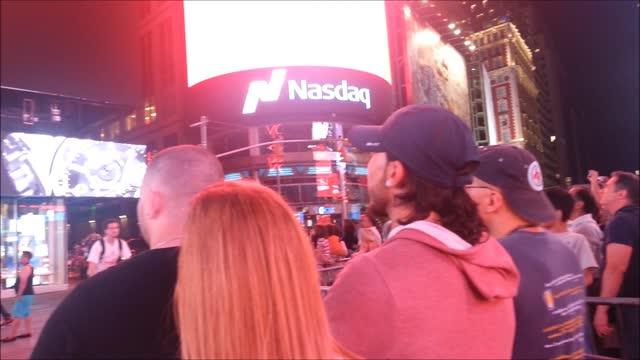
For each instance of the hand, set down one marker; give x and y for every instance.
(593, 175)
(601, 322)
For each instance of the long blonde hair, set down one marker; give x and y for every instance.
(247, 281)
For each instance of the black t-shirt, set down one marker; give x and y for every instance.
(125, 311)
(624, 229)
(550, 304)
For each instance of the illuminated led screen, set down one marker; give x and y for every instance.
(224, 37)
(44, 165)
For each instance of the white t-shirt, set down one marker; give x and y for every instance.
(111, 254)
(371, 234)
(580, 246)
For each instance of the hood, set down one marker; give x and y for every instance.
(487, 266)
(583, 219)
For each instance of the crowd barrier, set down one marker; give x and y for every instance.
(617, 304)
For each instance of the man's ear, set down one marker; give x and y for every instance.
(495, 202)
(396, 174)
(157, 204)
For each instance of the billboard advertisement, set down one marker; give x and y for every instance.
(45, 165)
(322, 60)
(438, 71)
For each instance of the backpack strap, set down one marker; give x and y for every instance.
(101, 251)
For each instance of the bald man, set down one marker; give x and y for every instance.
(127, 311)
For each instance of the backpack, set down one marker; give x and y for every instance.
(103, 249)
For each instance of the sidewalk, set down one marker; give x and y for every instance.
(43, 306)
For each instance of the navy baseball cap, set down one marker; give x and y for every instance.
(430, 140)
(517, 174)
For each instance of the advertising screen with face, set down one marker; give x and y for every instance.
(438, 71)
(44, 165)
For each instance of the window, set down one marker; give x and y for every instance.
(130, 122)
(480, 121)
(150, 115)
(504, 121)
(114, 130)
(501, 92)
(503, 106)
(482, 135)
(506, 136)
(498, 63)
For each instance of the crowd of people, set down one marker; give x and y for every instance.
(476, 260)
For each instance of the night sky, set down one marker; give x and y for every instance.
(88, 49)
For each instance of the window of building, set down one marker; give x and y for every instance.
(150, 115)
(130, 122)
(497, 62)
(480, 121)
(481, 135)
(506, 136)
(504, 120)
(114, 130)
(501, 92)
(503, 106)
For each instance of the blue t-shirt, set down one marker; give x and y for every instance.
(624, 229)
(550, 305)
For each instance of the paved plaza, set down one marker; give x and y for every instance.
(43, 306)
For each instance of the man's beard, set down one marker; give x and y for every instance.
(378, 202)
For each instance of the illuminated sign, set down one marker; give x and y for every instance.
(262, 91)
(223, 37)
(45, 165)
(286, 61)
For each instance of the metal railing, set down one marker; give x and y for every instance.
(617, 304)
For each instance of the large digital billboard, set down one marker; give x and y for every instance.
(265, 61)
(224, 37)
(438, 71)
(45, 165)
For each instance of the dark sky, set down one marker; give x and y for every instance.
(598, 43)
(79, 48)
(88, 49)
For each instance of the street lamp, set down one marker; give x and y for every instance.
(457, 32)
(452, 25)
(472, 47)
(467, 43)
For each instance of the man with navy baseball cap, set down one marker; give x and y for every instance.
(438, 284)
(508, 190)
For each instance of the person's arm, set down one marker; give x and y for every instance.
(360, 310)
(93, 259)
(586, 259)
(588, 276)
(126, 251)
(618, 256)
(24, 277)
(595, 187)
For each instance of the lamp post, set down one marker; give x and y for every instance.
(203, 130)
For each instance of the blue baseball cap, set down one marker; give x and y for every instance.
(431, 141)
(517, 173)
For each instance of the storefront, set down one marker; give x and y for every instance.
(37, 225)
(43, 178)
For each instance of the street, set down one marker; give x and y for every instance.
(43, 306)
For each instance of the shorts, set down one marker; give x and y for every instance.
(22, 307)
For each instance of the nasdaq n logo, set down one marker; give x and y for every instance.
(264, 91)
